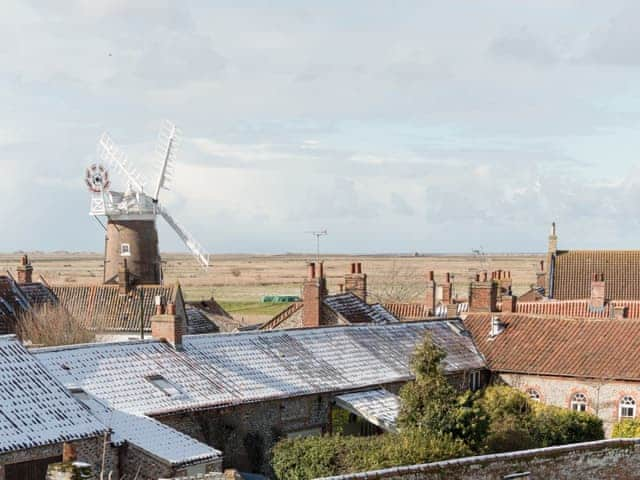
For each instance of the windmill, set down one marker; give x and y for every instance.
(132, 238)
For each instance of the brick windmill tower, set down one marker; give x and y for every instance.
(131, 242)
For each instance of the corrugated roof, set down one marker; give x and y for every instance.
(215, 370)
(574, 269)
(378, 406)
(590, 348)
(35, 409)
(155, 438)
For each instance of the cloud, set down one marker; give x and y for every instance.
(523, 46)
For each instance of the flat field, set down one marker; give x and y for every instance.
(240, 281)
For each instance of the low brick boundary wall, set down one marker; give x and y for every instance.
(612, 459)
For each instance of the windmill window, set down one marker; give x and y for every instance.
(627, 407)
(125, 250)
(164, 385)
(579, 402)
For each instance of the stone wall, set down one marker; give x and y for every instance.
(602, 398)
(611, 459)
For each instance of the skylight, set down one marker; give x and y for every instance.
(163, 385)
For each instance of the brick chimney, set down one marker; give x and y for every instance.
(540, 275)
(166, 324)
(430, 287)
(25, 270)
(447, 290)
(508, 303)
(124, 281)
(313, 292)
(356, 281)
(597, 290)
(483, 294)
(503, 277)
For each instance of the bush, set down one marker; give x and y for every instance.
(50, 325)
(626, 429)
(312, 457)
(559, 426)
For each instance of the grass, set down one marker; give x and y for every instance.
(253, 308)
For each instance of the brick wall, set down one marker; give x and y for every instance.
(611, 459)
(602, 397)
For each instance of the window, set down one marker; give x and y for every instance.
(125, 250)
(78, 393)
(474, 381)
(164, 385)
(627, 407)
(533, 394)
(579, 402)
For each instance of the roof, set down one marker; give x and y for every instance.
(378, 406)
(38, 293)
(223, 369)
(577, 308)
(589, 348)
(35, 410)
(339, 308)
(103, 308)
(408, 311)
(574, 269)
(355, 310)
(155, 438)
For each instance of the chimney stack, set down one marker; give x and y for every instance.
(167, 326)
(597, 290)
(483, 295)
(25, 270)
(313, 292)
(430, 287)
(124, 282)
(497, 327)
(356, 281)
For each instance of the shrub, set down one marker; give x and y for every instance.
(312, 457)
(558, 426)
(51, 325)
(626, 429)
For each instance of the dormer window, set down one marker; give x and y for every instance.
(125, 250)
(164, 385)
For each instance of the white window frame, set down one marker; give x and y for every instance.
(627, 405)
(474, 380)
(533, 394)
(579, 402)
(125, 250)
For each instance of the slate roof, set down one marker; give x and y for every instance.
(378, 406)
(14, 300)
(574, 269)
(35, 410)
(353, 309)
(223, 369)
(104, 309)
(590, 348)
(38, 293)
(339, 308)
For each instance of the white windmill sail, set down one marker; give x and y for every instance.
(109, 152)
(168, 141)
(196, 249)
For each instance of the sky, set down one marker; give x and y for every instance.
(398, 126)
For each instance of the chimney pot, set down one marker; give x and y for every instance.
(431, 275)
(312, 270)
(448, 277)
(484, 276)
(359, 268)
(171, 308)
(477, 277)
(542, 265)
(353, 268)
(320, 269)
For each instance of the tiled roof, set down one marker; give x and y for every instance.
(222, 369)
(591, 348)
(355, 310)
(574, 269)
(577, 308)
(378, 406)
(155, 438)
(104, 309)
(35, 409)
(408, 311)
